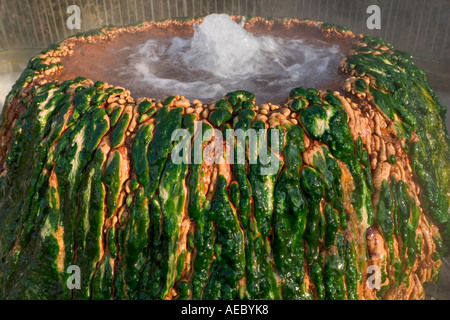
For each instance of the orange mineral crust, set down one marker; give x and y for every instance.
(337, 190)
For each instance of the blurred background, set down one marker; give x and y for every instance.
(419, 27)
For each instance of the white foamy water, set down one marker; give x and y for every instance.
(222, 57)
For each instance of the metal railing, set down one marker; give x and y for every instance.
(417, 26)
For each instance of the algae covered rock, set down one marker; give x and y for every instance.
(345, 196)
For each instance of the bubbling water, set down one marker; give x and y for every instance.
(222, 57)
(225, 49)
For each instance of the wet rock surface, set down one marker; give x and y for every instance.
(321, 147)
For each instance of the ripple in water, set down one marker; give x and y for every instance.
(222, 57)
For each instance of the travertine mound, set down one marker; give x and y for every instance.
(87, 179)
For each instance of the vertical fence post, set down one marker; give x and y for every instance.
(105, 12)
(386, 29)
(111, 10)
(10, 21)
(97, 10)
(128, 12)
(91, 16)
(4, 34)
(350, 15)
(54, 20)
(168, 9)
(411, 25)
(394, 27)
(49, 28)
(444, 43)
(23, 16)
(18, 23)
(152, 10)
(33, 22)
(41, 23)
(63, 20)
(436, 26)
(143, 10)
(420, 25)
(120, 12)
(176, 9)
(67, 5)
(136, 10)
